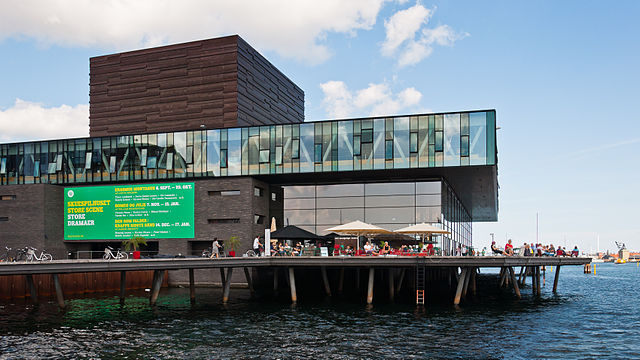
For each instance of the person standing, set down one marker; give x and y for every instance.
(215, 249)
(256, 245)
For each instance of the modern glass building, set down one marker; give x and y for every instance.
(217, 114)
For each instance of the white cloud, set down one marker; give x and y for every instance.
(27, 121)
(374, 100)
(292, 28)
(405, 41)
(403, 25)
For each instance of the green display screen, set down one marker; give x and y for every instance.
(163, 211)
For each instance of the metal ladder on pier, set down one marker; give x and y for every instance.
(420, 284)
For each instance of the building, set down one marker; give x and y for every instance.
(219, 133)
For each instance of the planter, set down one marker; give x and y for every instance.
(136, 254)
(232, 253)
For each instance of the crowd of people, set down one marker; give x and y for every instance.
(533, 250)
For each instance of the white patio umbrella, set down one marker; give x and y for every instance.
(422, 230)
(358, 228)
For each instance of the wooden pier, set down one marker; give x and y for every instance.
(458, 272)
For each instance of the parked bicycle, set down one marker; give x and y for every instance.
(7, 255)
(250, 253)
(21, 254)
(206, 252)
(32, 256)
(119, 255)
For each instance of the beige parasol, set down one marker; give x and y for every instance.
(422, 230)
(358, 228)
(273, 224)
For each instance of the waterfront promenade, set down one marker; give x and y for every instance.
(459, 273)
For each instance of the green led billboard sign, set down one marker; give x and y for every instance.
(163, 211)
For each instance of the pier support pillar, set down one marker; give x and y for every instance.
(532, 271)
(227, 286)
(32, 289)
(472, 281)
(516, 289)
(463, 275)
(292, 285)
(370, 285)
(59, 293)
(467, 279)
(555, 279)
(222, 277)
(192, 287)
(357, 278)
(538, 280)
(247, 275)
(123, 286)
(520, 276)
(275, 281)
(341, 281)
(400, 280)
(503, 276)
(325, 280)
(158, 276)
(392, 291)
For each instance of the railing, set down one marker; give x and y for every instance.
(86, 254)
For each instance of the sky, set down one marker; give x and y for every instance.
(563, 77)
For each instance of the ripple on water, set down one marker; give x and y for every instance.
(592, 317)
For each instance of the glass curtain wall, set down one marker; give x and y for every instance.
(390, 205)
(420, 141)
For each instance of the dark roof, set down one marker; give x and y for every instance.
(292, 232)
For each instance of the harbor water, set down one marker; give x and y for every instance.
(592, 316)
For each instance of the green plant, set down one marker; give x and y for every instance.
(234, 243)
(134, 243)
(381, 244)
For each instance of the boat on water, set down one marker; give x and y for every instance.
(595, 259)
(620, 261)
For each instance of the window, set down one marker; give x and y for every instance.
(7, 197)
(223, 221)
(224, 193)
(258, 191)
(274, 197)
(258, 219)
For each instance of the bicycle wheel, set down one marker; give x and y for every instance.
(46, 257)
(122, 256)
(105, 257)
(251, 253)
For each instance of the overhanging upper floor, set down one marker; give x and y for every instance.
(459, 147)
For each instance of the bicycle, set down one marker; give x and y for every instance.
(250, 253)
(32, 256)
(7, 256)
(206, 252)
(119, 255)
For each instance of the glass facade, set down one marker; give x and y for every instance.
(420, 141)
(390, 205)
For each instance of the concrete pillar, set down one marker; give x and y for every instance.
(227, 286)
(192, 286)
(370, 286)
(158, 276)
(32, 289)
(400, 280)
(461, 281)
(247, 275)
(123, 286)
(341, 281)
(515, 283)
(392, 291)
(555, 279)
(325, 280)
(292, 285)
(59, 293)
(222, 277)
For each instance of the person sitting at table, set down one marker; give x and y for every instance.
(368, 249)
(385, 248)
(575, 252)
(508, 248)
(495, 249)
(430, 249)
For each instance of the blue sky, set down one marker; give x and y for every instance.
(562, 76)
